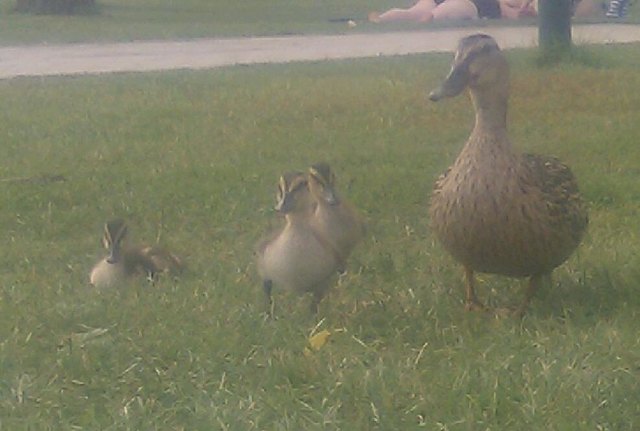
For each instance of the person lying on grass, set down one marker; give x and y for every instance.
(430, 10)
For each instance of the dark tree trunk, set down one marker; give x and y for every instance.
(554, 24)
(61, 7)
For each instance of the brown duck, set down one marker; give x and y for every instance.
(497, 210)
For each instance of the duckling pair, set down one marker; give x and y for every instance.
(319, 234)
(123, 262)
(496, 210)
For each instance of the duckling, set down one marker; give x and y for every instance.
(296, 257)
(496, 210)
(124, 262)
(336, 218)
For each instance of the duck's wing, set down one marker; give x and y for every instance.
(156, 260)
(560, 191)
(552, 176)
(443, 176)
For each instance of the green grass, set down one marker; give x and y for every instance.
(193, 157)
(125, 20)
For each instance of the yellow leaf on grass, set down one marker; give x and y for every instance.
(316, 342)
(320, 339)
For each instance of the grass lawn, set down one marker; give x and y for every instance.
(192, 158)
(125, 20)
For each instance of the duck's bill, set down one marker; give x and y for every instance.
(453, 85)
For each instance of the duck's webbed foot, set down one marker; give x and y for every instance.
(475, 306)
(471, 303)
(519, 311)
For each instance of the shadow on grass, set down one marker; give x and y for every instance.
(596, 294)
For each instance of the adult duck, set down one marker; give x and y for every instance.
(495, 209)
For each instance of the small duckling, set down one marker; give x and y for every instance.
(123, 262)
(297, 257)
(335, 218)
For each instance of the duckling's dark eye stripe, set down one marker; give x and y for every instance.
(321, 170)
(282, 186)
(316, 176)
(297, 185)
(120, 233)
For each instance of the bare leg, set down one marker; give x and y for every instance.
(419, 12)
(455, 9)
(471, 300)
(509, 11)
(515, 9)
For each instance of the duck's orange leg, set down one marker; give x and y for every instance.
(471, 300)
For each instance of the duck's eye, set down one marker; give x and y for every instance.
(298, 186)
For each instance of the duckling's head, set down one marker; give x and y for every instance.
(293, 194)
(322, 183)
(478, 64)
(114, 233)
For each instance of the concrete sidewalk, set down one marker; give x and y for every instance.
(45, 60)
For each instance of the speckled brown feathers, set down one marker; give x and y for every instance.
(561, 194)
(497, 210)
(518, 221)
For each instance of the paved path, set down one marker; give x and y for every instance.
(43, 60)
